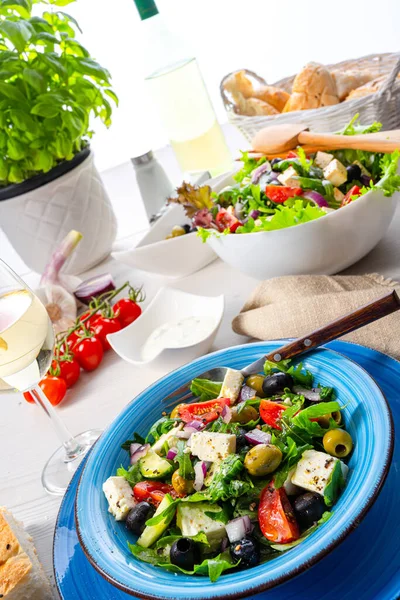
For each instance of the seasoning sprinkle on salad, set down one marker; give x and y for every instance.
(290, 190)
(246, 471)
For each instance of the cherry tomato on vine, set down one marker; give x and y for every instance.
(69, 370)
(89, 352)
(102, 327)
(126, 311)
(53, 387)
(91, 321)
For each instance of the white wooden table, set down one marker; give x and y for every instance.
(26, 436)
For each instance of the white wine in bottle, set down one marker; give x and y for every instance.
(178, 91)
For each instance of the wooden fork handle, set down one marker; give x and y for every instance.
(362, 316)
(358, 142)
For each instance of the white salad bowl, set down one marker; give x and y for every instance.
(176, 257)
(321, 247)
(169, 306)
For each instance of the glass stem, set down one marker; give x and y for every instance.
(72, 448)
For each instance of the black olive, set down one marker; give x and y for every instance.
(186, 227)
(276, 383)
(308, 509)
(184, 554)
(353, 172)
(241, 441)
(137, 517)
(247, 551)
(275, 161)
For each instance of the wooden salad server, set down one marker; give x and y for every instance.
(281, 138)
(364, 315)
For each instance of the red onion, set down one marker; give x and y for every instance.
(93, 287)
(365, 180)
(315, 197)
(172, 452)
(226, 414)
(200, 471)
(133, 448)
(186, 432)
(203, 218)
(139, 453)
(313, 395)
(256, 174)
(256, 436)
(198, 425)
(224, 544)
(254, 214)
(246, 393)
(237, 529)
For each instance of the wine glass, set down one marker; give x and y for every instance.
(26, 352)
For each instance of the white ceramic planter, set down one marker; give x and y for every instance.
(36, 221)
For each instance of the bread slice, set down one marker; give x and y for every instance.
(21, 574)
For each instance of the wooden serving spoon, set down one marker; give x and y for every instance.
(364, 315)
(281, 138)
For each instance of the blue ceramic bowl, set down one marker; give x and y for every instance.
(104, 541)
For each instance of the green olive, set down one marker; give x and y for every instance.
(182, 486)
(324, 420)
(337, 442)
(262, 459)
(337, 416)
(248, 413)
(175, 412)
(255, 382)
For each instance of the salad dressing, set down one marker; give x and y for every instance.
(177, 334)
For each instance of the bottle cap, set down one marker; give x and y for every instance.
(143, 159)
(146, 8)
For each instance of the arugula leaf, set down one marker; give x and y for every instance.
(159, 554)
(249, 164)
(138, 439)
(160, 427)
(326, 393)
(292, 457)
(301, 375)
(213, 567)
(224, 486)
(219, 426)
(168, 540)
(205, 389)
(283, 547)
(270, 366)
(313, 428)
(183, 458)
(222, 516)
(132, 475)
(335, 484)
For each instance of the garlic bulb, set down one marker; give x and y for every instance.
(61, 307)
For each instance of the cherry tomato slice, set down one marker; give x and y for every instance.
(152, 491)
(280, 193)
(203, 411)
(102, 327)
(271, 412)
(226, 220)
(89, 353)
(126, 311)
(275, 516)
(354, 191)
(53, 387)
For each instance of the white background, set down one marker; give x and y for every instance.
(272, 37)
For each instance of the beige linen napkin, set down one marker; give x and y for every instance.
(296, 305)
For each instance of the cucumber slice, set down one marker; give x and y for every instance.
(151, 533)
(153, 466)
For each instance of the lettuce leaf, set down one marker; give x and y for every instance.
(390, 182)
(249, 164)
(354, 128)
(204, 389)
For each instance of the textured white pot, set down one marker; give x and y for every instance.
(36, 221)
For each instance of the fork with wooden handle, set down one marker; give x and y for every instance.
(369, 313)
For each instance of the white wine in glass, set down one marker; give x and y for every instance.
(26, 351)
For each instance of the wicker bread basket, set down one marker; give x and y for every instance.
(382, 106)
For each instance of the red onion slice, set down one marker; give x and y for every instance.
(226, 414)
(256, 436)
(198, 425)
(313, 395)
(246, 393)
(256, 174)
(254, 214)
(93, 287)
(172, 452)
(139, 453)
(224, 544)
(315, 197)
(237, 529)
(186, 432)
(200, 471)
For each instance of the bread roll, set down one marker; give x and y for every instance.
(21, 574)
(365, 90)
(313, 87)
(274, 96)
(253, 107)
(347, 81)
(239, 82)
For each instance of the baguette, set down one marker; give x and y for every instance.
(347, 81)
(274, 96)
(21, 574)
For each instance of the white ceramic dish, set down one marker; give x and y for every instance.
(324, 246)
(177, 257)
(169, 305)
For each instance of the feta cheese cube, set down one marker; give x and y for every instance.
(119, 496)
(314, 470)
(288, 177)
(322, 159)
(231, 385)
(191, 520)
(335, 172)
(337, 194)
(212, 446)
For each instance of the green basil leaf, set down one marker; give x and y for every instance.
(18, 32)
